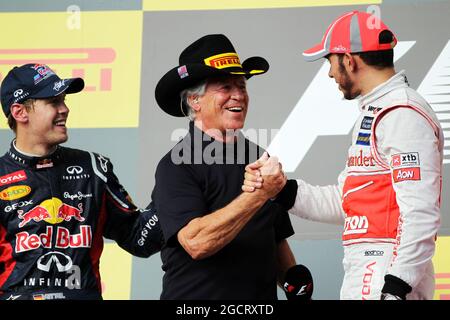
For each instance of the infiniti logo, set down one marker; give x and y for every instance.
(17, 93)
(62, 261)
(74, 170)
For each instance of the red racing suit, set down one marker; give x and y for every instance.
(54, 212)
(388, 195)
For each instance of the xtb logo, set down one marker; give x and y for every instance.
(318, 114)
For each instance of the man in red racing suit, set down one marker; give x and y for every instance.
(55, 208)
(388, 195)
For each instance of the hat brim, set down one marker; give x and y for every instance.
(315, 53)
(71, 85)
(167, 91)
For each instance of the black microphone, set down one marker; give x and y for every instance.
(298, 283)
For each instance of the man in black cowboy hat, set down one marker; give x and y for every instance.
(220, 243)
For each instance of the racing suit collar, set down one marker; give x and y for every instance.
(396, 81)
(31, 161)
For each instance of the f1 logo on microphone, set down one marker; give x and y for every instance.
(288, 288)
(304, 289)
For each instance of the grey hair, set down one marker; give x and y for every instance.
(198, 90)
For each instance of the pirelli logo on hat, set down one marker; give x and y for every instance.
(223, 60)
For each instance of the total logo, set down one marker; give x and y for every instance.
(52, 211)
(13, 177)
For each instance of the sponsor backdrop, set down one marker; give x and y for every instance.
(122, 48)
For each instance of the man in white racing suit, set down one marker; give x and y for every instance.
(388, 195)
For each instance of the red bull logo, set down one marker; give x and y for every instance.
(67, 212)
(52, 211)
(63, 240)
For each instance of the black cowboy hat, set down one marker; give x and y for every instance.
(210, 56)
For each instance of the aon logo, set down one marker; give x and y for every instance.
(356, 225)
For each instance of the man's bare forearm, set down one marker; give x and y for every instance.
(204, 236)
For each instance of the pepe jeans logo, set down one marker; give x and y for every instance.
(79, 195)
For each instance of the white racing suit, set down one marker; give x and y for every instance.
(388, 195)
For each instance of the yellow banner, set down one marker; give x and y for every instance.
(152, 5)
(441, 261)
(104, 48)
(115, 271)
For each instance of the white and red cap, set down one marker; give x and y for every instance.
(354, 31)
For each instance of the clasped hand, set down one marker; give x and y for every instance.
(265, 176)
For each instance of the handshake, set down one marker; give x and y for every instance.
(264, 176)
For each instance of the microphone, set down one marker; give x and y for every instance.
(298, 283)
